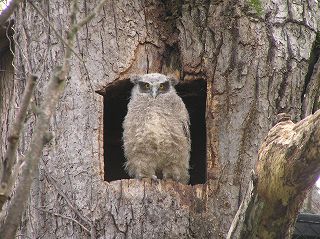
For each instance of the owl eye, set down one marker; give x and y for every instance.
(161, 86)
(147, 86)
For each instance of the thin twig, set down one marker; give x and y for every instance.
(65, 217)
(27, 55)
(55, 31)
(95, 12)
(62, 194)
(10, 158)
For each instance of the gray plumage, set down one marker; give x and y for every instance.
(156, 135)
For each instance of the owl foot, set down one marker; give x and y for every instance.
(155, 179)
(172, 177)
(139, 176)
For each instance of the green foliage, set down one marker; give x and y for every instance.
(256, 5)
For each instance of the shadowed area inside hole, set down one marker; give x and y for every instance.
(116, 98)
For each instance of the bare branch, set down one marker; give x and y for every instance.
(7, 12)
(240, 215)
(29, 168)
(10, 158)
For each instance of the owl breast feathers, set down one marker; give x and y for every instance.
(156, 134)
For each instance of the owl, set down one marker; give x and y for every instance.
(156, 136)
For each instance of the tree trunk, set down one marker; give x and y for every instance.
(254, 59)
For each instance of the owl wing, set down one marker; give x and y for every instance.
(185, 121)
(186, 129)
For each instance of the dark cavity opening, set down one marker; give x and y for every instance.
(194, 94)
(116, 98)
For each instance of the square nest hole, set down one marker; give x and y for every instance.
(116, 98)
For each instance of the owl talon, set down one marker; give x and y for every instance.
(154, 178)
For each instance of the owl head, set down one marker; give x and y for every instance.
(153, 84)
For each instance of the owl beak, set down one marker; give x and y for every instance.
(154, 92)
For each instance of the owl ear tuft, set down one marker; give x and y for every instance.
(173, 80)
(135, 78)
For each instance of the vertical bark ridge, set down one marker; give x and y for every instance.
(312, 81)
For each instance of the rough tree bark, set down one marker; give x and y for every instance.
(255, 65)
(6, 83)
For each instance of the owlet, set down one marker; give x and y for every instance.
(156, 134)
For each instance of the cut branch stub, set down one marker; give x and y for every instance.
(288, 162)
(288, 166)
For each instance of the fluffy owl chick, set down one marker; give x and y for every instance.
(156, 135)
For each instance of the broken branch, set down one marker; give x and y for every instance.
(10, 158)
(288, 167)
